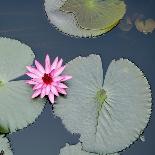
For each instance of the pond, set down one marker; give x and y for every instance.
(26, 20)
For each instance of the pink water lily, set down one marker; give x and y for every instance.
(48, 81)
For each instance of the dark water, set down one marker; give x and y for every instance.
(25, 20)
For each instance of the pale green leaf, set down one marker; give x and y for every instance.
(67, 23)
(76, 150)
(108, 123)
(95, 14)
(5, 146)
(14, 56)
(17, 109)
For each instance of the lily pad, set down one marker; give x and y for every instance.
(66, 20)
(14, 56)
(17, 109)
(76, 150)
(113, 119)
(95, 14)
(145, 26)
(5, 146)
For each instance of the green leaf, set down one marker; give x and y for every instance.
(5, 146)
(17, 109)
(95, 14)
(115, 124)
(76, 150)
(67, 22)
(14, 56)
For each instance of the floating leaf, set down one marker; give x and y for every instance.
(85, 18)
(110, 116)
(76, 150)
(4, 146)
(145, 26)
(95, 14)
(14, 56)
(126, 24)
(17, 109)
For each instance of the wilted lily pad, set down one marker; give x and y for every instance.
(108, 115)
(126, 24)
(85, 18)
(17, 109)
(76, 150)
(5, 146)
(145, 26)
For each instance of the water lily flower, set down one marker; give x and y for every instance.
(48, 80)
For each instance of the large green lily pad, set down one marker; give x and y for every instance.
(75, 18)
(108, 115)
(17, 109)
(95, 14)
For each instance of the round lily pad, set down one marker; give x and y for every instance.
(14, 56)
(76, 150)
(5, 146)
(77, 19)
(110, 116)
(95, 14)
(17, 109)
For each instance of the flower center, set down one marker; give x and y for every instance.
(47, 79)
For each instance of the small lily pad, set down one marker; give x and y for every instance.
(76, 150)
(111, 126)
(17, 109)
(145, 26)
(5, 146)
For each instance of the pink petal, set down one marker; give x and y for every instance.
(59, 63)
(43, 92)
(61, 85)
(32, 75)
(39, 67)
(54, 91)
(38, 86)
(51, 97)
(31, 82)
(48, 88)
(55, 84)
(39, 80)
(62, 91)
(34, 71)
(66, 77)
(47, 64)
(36, 93)
(54, 64)
(57, 79)
(59, 71)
